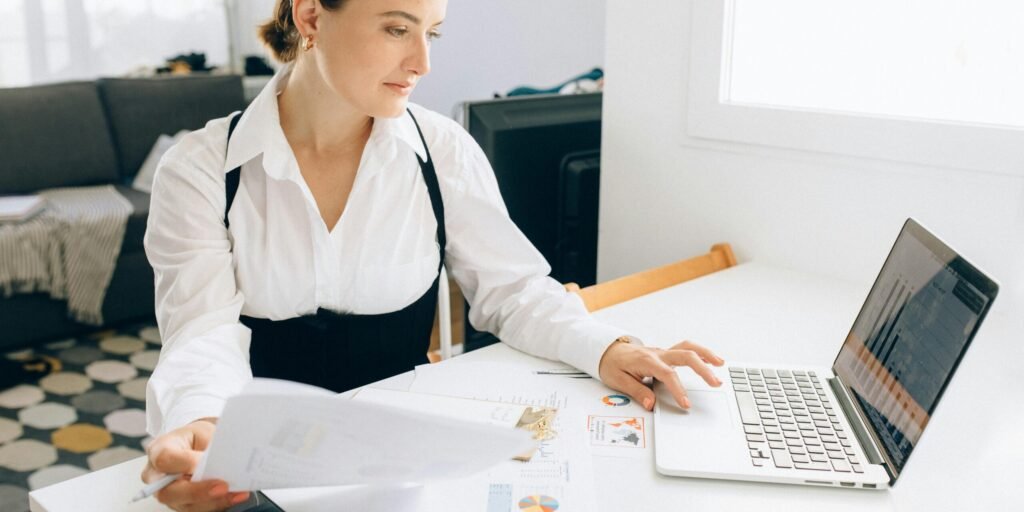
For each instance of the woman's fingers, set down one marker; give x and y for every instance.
(199, 496)
(705, 353)
(168, 456)
(694, 361)
(636, 390)
(668, 376)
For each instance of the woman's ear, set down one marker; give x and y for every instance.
(306, 14)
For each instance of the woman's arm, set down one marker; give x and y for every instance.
(204, 358)
(505, 279)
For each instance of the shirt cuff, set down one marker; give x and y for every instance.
(590, 340)
(186, 411)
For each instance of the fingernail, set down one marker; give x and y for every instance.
(240, 497)
(647, 403)
(686, 402)
(718, 382)
(218, 491)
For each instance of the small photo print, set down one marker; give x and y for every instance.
(619, 431)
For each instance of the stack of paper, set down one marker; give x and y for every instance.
(279, 434)
(18, 208)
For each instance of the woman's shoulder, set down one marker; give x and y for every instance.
(202, 151)
(441, 133)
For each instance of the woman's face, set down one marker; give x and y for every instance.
(372, 53)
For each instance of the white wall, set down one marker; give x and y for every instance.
(489, 46)
(662, 200)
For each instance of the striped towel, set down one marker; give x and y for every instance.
(68, 250)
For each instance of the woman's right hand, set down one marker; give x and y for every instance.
(180, 451)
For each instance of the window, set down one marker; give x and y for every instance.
(56, 40)
(930, 82)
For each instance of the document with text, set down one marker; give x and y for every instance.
(279, 434)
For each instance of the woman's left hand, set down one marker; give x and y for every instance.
(624, 367)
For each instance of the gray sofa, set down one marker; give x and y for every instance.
(91, 133)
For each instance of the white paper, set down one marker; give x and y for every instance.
(462, 409)
(558, 476)
(278, 434)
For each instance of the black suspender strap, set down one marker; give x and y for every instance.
(232, 178)
(430, 177)
(231, 181)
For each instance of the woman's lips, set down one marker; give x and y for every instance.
(404, 90)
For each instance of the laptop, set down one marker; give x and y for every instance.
(853, 424)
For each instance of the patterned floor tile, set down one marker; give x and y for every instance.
(21, 396)
(27, 455)
(41, 443)
(99, 402)
(81, 438)
(150, 334)
(47, 416)
(127, 422)
(54, 474)
(66, 383)
(13, 499)
(9, 430)
(80, 355)
(111, 456)
(145, 360)
(109, 371)
(122, 345)
(135, 388)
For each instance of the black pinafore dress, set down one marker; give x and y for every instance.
(343, 351)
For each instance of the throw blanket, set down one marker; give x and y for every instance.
(68, 250)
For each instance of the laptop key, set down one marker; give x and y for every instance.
(776, 445)
(836, 455)
(759, 462)
(748, 410)
(752, 429)
(857, 468)
(756, 438)
(817, 457)
(814, 449)
(841, 466)
(781, 458)
(799, 458)
(817, 466)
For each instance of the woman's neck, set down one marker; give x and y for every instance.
(313, 117)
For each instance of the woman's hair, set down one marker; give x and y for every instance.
(279, 32)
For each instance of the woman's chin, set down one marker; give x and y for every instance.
(394, 107)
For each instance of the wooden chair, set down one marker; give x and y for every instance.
(612, 292)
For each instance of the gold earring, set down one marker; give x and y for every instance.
(308, 45)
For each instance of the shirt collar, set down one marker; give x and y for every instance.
(259, 131)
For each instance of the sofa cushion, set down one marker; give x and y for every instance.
(54, 136)
(136, 228)
(141, 109)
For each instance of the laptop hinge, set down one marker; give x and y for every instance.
(867, 441)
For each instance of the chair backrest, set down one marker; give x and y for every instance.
(612, 292)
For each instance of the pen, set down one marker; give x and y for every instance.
(155, 487)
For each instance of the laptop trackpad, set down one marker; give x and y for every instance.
(702, 440)
(708, 409)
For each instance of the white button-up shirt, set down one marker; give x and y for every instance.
(279, 261)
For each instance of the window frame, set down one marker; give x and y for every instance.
(986, 148)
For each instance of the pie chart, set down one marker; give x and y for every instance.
(538, 503)
(615, 400)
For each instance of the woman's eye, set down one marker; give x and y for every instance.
(398, 31)
(434, 35)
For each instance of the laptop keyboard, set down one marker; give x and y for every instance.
(789, 421)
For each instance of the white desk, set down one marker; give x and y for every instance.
(972, 457)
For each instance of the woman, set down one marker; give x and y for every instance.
(303, 239)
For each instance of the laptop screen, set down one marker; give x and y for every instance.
(909, 337)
